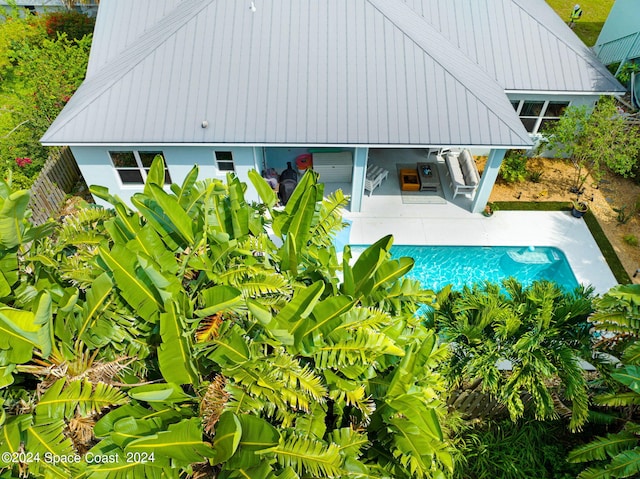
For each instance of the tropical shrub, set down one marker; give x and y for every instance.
(179, 338)
(515, 450)
(540, 332)
(514, 167)
(624, 75)
(617, 455)
(39, 75)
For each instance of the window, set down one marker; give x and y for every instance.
(224, 161)
(552, 114)
(133, 166)
(538, 115)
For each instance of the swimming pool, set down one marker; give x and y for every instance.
(437, 266)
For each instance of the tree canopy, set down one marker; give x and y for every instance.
(43, 59)
(596, 139)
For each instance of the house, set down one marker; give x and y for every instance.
(233, 85)
(619, 39)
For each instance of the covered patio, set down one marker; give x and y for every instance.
(389, 193)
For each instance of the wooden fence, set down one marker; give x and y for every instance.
(57, 178)
(473, 403)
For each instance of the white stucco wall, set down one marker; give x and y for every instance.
(96, 167)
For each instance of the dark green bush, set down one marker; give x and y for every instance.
(75, 24)
(524, 449)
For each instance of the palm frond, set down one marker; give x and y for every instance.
(360, 347)
(619, 399)
(283, 380)
(330, 218)
(84, 223)
(79, 397)
(263, 284)
(309, 457)
(604, 447)
(360, 317)
(208, 327)
(616, 322)
(354, 395)
(350, 441)
(625, 464)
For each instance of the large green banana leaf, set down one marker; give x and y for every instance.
(228, 433)
(12, 211)
(359, 280)
(181, 442)
(135, 288)
(175, 354)
(267, 195)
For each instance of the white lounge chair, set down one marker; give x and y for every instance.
(375, 176)
(462, 172)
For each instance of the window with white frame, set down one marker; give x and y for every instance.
(536, 115)
(133, 166)
(224, 161)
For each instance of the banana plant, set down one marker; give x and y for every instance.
(178, 338)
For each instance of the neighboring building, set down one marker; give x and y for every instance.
(619, 39)
(216, 84)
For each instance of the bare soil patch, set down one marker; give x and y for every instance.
(614, 192)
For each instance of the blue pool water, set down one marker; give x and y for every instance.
(437, 266)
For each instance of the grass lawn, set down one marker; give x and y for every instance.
(594, 14)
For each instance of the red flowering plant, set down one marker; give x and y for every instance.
(22, 162)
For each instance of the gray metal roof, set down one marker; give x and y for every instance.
(523, 44)
(350, 72)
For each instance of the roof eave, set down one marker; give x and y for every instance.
(289, 145)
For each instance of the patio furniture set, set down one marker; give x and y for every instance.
(424, 178)
(462, 174)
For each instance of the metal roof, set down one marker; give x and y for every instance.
(350, 72)
(624, 48)
(523, 44)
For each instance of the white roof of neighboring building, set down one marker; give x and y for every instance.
(339, 72)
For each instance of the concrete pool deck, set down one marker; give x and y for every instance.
(451, 225)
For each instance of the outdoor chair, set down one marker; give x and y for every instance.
(375, 176)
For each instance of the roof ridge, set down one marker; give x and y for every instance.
(588, 55)
(113, 71)
(451, 59)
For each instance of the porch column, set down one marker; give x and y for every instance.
(487, 180)
(357, 182)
